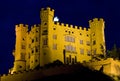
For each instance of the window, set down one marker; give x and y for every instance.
(54, 28)
(22, 56)
(45, 41)
(87, 35)
(94, 42)
(29, 55)
(88, 43)
(88, 52)
(29, 45)
(36, 60)
(70, 48)
(80, 33)
(94, 51)
(73, 40)
(20, 66)
(32, 40)
(81, 51)
(54, 36)
(69, 39)
(55, 46)
(81, 41)
(23, 46)
(32, 50)
(45, 23)
(23, 39)
(36, 39)
(36, 49)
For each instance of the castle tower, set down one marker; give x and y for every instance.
(97, 36)
(46, 16)
(33, 45)
(20, 48)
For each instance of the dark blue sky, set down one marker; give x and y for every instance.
(76, 12)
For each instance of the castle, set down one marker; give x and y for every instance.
(51, 40)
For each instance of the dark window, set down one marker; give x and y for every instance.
(94, 42)
(20, 66)
(32, 40)
(36, 60)
(45, 23)
(69, 32)
(36, 39)
(54, 28)
(36, 49)
(32, 50)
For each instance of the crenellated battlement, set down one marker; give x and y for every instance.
(48, 8)
(96, 20)
(71, 26)
(35, 25)
(21, 27)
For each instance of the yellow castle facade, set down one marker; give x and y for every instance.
(52, 40)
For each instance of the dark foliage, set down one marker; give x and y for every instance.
(80, 73)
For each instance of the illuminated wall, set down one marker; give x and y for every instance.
(52, 41)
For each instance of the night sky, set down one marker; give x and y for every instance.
(76, 12)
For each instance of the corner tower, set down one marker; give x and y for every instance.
(20, 48)
(97, 36)
(46, 15)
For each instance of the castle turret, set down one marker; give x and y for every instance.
(20, 48)
(46, 15)
(97, 36)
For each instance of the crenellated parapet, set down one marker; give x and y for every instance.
(71, 26)
(48, 9)
(96, 20)
(20, 27)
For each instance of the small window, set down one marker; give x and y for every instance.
(88, 52)
(69, 32)
(94, 42)
(54, 28)
(81, 41)
(32, 40)
(23, 46)
(55, 46)
(66, 31)
(94, 51)
(32, 50)
(45, 41)
(36, 39)
(54, 36)
(45, 23)
(80, 33)
(88, 43)
(36, 60)
(93, 34)
(20, 66)
(36, 49)
(87, 35)
(81, 51)
(23, 39)
(22, 56)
